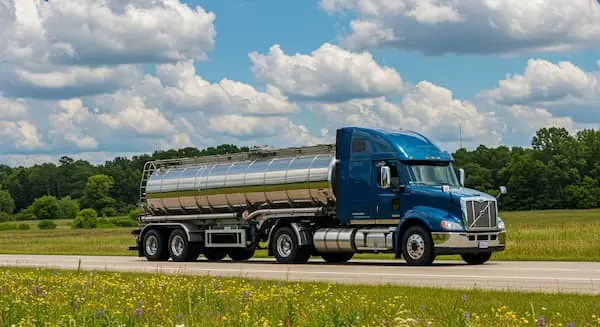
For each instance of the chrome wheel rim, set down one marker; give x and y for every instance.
(177, 245)
(151, 245)
(415, 246)
(284, 245)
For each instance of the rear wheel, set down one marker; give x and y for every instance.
(180, 249)
(154, 246)
(477, 258)
(337, 257)
(286, 247)
(241, 254)
(417, 246)
(214, 254)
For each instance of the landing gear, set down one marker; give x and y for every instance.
(477, 258)
(417, 246)
(286, 247)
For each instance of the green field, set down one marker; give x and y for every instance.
(561, 235)
(35, 297)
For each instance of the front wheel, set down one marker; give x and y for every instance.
(417, 246)
(476, 259)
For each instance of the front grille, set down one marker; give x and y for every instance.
(480, 214)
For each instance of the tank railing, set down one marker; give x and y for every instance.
(149, 168)
(243, 156)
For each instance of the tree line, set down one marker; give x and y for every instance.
(558, 171)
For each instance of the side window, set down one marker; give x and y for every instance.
(359, 145)
(395, 181)
(395, 175)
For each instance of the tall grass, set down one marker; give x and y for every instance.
(31, 297)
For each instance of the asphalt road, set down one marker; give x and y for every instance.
(572, 277)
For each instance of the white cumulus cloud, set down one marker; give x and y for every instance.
(326, 74)
(470, 27)
(563, 88)
(105, 32)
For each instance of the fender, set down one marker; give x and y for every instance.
(193, 234)
(427, 216)
(303, 232)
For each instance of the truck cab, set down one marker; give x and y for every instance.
(401, 178)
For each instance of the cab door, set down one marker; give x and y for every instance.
(390, 201)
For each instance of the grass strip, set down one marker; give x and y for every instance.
(554, 235)
(43, 297)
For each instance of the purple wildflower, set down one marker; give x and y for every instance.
(138, 312)
(467, 315)
(98, 313)
(541, 322)
(422, 308)
(464, 298)
(246, 294)
(571, 324)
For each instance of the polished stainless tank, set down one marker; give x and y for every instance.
(280, 182)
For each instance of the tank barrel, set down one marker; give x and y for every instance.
(284, 178)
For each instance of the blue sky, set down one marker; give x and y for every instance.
(244, 26)
(120, 77)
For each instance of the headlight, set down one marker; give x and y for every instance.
(451, 225)
(501, 225)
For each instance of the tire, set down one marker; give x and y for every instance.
(477, 258)
(214, 254)
(241, 254)
(180, 249)
(154, 246)
(417, 246)
(337, 257)
(286, 248)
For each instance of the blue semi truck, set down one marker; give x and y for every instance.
(373, 191)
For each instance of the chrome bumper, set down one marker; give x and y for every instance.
(464, 242)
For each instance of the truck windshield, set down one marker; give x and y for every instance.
(432, 173)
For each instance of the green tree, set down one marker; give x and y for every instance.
(7, 203)
(96, 192)
(86, 218)
(69, 207)
(46, 207)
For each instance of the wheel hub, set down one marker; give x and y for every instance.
(177, 245)
(416, 246)
(284, 245)
(151, 245)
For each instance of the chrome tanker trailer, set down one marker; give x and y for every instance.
(374, 191)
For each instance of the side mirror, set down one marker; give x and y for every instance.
(461, 177)
(385, 177)
(502, 191)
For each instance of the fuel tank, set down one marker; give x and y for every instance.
(280, 182)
